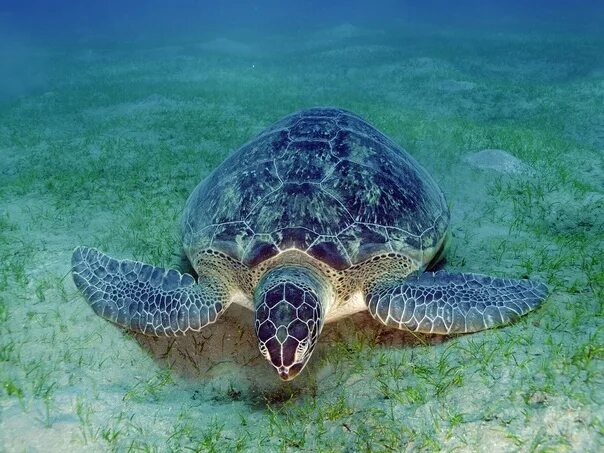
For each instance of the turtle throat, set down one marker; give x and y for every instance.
(290, 302)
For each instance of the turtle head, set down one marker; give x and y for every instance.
(290, 304)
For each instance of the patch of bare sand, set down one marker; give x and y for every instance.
(498, 160)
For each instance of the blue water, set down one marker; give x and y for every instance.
(27, 26)
(139, 18)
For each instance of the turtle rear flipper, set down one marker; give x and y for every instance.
(145, 298)
(446, 303)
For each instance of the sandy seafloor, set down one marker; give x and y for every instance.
(105, 142)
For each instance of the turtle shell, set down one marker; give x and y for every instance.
(323, 181)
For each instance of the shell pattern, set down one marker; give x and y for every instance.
(322, 181)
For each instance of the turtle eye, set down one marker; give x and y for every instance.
(301, 350)
(264, 350)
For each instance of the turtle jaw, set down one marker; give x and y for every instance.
(289, 373)
(279, 358)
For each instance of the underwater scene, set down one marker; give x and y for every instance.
(302, 226)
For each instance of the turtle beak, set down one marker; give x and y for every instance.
(287, 358)
(287, 374)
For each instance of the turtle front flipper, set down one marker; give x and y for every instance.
(145, 298)
(446, 303)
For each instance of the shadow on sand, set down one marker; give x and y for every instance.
(228, 352)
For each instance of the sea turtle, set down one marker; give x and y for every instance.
(318, 217)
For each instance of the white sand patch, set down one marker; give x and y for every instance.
(498, 160)
(22, 431)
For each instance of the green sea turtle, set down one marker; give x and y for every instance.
(318, 217)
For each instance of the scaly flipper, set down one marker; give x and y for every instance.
(145, 298)
(446, 303)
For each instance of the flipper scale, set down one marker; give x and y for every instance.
(144, 298)
(446, 303)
